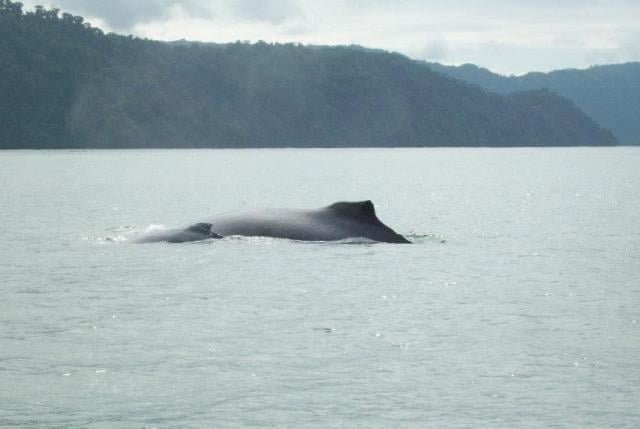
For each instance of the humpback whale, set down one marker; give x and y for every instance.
(339, 221)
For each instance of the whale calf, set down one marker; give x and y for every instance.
(339, 221)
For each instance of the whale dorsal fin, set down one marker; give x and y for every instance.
(200, 228)
(359, 209)
(204, 229)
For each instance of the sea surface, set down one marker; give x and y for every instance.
(517, 306)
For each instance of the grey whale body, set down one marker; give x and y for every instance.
(338, 221)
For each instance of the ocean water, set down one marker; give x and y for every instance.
(517, 306)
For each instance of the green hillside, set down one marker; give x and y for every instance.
(65, 84)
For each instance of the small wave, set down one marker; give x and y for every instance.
(353, 240)
(253, 239)
(272, 240)
(123, 234)
(108, 239)
(426, 238)
(154, 227)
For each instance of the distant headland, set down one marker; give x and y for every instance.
(610, 94)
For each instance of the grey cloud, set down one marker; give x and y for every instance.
(435, 50)
(275, 12)
(631, 45)
(124, 14)
(627, 49)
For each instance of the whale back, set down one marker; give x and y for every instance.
(339, 221)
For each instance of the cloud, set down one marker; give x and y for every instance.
(626, 47)
(125, 14)
(275, 12)
(436, 49)
(631, 44)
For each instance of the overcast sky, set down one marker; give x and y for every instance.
(506, 36)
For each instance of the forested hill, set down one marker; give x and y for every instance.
(65, 84)
(609, 94)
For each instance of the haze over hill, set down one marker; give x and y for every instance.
(610, 94)
(67, 84)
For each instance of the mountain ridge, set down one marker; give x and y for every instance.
(609, 93)
(69, 85)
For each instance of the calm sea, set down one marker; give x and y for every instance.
(518, 306)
